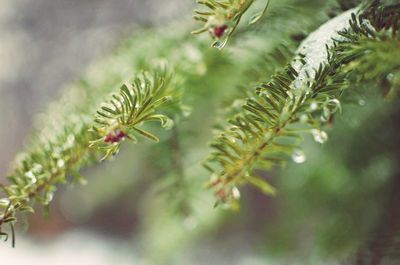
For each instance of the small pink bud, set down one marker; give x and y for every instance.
(115, 137)
(120, 135)
(219, 31)
(109, 138)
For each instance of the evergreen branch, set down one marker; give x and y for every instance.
(303, 97)
(135, 105)
(40, 170)
(268, 130)
(51, 159)
(60, 147)
(223, 17)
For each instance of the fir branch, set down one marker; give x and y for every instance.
(50, 160)
(268, 131)
(59, 149)
(304, 97)
(222, 17)
(124, 115)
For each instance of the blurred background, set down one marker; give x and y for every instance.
(45, 44)
(329, 208)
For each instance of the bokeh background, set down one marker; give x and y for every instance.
(327, 209)
(45, 44)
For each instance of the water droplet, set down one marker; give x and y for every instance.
(48, 197)
(313, 106)
(319, 136)
(299, 157)
(361, 102)
(334, 105)
(235, 193)
(303, 118)
(326, 114)
(32, 178)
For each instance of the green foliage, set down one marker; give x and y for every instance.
(222, 18)
(337, 195)
(135, 105)
(268, 129)
(364, 45)
(268, 119)
(51, 160)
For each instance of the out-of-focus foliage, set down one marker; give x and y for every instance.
(331, 203)
(223, 17)
(268, 130)
(314, 200)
